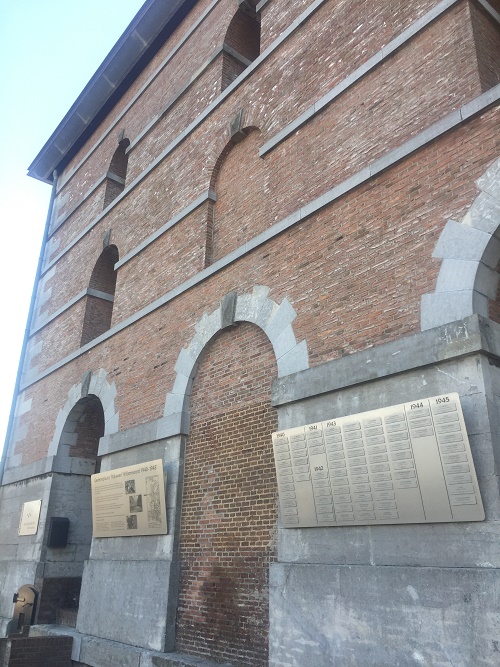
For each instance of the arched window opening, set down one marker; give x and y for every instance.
(240, 179)
(117, 173)
(71, 498)
(241, 46)
(100, 296)
(89, 428)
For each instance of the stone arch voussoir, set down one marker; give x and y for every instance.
(470, 251)
(274, 319)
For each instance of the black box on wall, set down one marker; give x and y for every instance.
(58, 532)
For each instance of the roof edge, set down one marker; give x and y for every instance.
(148, 30)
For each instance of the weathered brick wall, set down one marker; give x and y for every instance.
(378, 114)
(303, 72)
(368, 262)
(229, 502)
(99, 311)
(97, 320)
(354, 272)
(89, 428)
(103, 276)
(242, 188)
(243, 35)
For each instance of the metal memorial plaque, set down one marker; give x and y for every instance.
(130, 501)
(409, 463)
(30, 515)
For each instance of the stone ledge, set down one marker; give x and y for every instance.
(474, 334)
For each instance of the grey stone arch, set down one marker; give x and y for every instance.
(92, 384)
(273, 318)
(240, 126)
(470, 252)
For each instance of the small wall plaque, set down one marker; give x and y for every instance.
(409, 463)
(30, 515)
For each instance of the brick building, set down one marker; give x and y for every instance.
(264, 215)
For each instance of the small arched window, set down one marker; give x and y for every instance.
(117, 173)
(100, 296)
(241, 46)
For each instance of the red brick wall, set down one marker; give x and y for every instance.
(36, 652)
(289, 81)
(355, 272)
(368, 262)
(243, 35)
(103, 276)
(434, 74)
(98, 312)
(229, 502)
(242, 189)
(113, 189)
(89, 429)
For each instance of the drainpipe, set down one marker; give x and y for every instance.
(28, 328)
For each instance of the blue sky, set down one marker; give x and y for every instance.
(49, 49)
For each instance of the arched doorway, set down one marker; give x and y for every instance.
(77, 455)
(228, 519)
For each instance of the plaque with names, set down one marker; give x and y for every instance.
(408, 463)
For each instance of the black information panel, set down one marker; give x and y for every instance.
(409, 463)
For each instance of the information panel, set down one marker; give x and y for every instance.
(409, 463)
(129, 501)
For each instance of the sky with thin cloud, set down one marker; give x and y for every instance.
(49, 49)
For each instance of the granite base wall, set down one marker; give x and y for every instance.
(373, 616)
(129, 584)
(373, 596)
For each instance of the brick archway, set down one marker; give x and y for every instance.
(276, 322)
(221, 395)
(229, 515)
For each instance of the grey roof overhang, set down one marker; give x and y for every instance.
(152, 25)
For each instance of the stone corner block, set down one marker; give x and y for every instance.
(111, 424)
(490, 180)
(186, 363)
(484, 214)
(282, 317)
(174, 404)
(173, 424)
(266, 313)
(441, 308)
(182, 384)
(459, 241)
(297, 359)
(228, 309)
